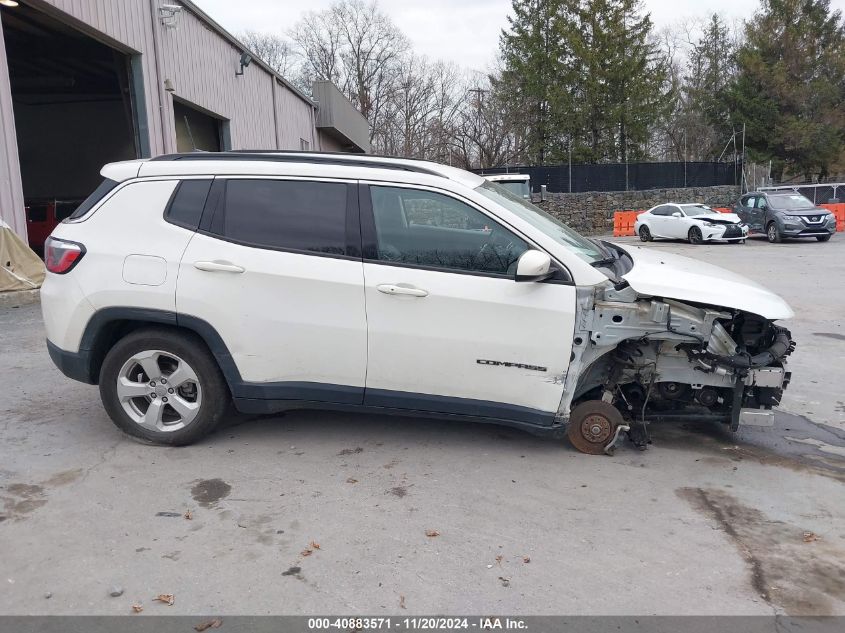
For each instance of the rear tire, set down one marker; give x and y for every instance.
(645, 234)
(163, 386)
(773, 234)
(823, 238)
(695, 236)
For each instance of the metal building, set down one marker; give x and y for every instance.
(86, 82)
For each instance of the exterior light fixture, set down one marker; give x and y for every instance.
(246, 60)
(10, 3)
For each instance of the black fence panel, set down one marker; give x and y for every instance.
(621, 177)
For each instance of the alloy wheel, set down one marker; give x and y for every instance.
(159, 391)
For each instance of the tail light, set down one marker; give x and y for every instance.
(61, 256)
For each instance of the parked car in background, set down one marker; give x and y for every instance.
(346, 281)
(697, 223)
(518, 184)
(780, 214)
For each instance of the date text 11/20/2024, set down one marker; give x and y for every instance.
(416, 623)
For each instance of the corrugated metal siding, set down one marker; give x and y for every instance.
(11, 189)
(295, 122)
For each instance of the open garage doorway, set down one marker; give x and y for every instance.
(74, 111)
(197, 130)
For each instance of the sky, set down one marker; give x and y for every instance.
(463, 31)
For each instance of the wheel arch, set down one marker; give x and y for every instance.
(109, 325)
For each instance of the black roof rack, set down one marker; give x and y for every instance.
(282, 156)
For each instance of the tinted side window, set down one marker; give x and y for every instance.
(429, 229)
(287, 214)
(185, 208)
(762, 203)
(98, 194)
(749, 201)
(662, 210)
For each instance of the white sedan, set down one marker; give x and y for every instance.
(697, 223)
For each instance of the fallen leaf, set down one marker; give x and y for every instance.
(306, 552)
(216, 623)
(401, 601)
(137, 608)
(166, 598)
(809, 537)
(526, 559)
(352, 480)
(432, 533)
(188, 515)
(499, 560)
(314, 545)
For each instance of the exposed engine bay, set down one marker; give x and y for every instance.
(637, 360)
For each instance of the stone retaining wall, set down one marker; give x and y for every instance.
(591, 213)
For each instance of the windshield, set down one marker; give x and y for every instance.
(539, 219)
(517, 187)
(790, 202)
(697, 209)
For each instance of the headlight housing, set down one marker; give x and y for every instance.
(792, 217)
(710, 224)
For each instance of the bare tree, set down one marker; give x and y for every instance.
(356, 46)
(274, 50)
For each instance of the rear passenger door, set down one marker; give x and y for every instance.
(745, 209)
(275, 268)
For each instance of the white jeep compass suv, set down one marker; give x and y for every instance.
(282, 280)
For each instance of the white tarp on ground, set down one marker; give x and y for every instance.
(20, 267)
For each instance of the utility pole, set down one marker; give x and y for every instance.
(743, 151)
(570, 163)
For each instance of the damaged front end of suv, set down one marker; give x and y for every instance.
(640, 358)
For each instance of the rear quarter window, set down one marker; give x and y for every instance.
(98, 194)
(186, 205)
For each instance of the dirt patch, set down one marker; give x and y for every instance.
(207, 492)
(21, 499)
(63, 478)
(350, 451)
(398, 491)
(799, 577)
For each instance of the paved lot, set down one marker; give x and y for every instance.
(701, 523)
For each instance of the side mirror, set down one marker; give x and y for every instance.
(533, 266)
(677, 214)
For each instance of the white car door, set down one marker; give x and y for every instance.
(676, 227)
(275, 269)
(658, 221)
(449, 329)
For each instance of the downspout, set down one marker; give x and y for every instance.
(159, 91)
(273, 86)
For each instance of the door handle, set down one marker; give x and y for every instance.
(219, 267)
(400, 289)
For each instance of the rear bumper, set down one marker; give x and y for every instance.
(76, 365)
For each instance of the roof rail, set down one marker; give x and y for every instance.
(337, 158)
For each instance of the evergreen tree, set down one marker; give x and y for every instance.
(790, 86)
(536, 77)
(711, 71)
(621, 79)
